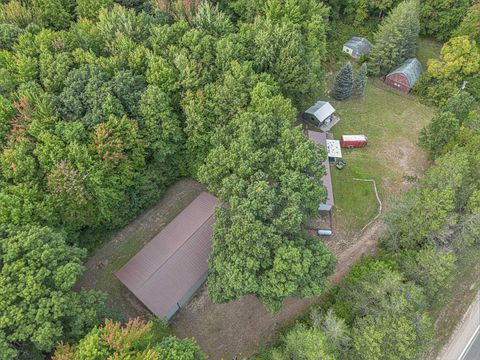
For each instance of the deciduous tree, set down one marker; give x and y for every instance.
(443, 128)
(459, 63)
(37, 272)
(374, 288)
(136, 339)
(470, 24)
(391, 337)
(270, 176)
(90, 8)
(303, 344)
(441, 18)
(430, 268)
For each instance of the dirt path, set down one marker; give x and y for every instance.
(238, 328)
(127, 242)
(365, 245)
(223, 331)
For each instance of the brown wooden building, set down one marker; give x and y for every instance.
(167, 272)
(404, 77)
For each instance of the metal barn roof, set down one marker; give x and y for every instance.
(321, 110)
(320, 138)
(166, 270)
(359, 45)
(411, 68)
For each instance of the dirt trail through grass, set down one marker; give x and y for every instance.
(392, 122)
(238, 328)
(127, 242)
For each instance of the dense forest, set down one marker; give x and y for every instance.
(104, 104)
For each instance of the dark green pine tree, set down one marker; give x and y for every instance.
(360, 81)
(343, 83)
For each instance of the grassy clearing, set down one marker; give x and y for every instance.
(352, 195)
(428, 49)
(391, 121)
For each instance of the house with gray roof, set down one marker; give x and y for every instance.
(357, 46)
(321, 115)
(405, 76)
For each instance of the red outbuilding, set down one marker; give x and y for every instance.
(353, 141)
(404, 77)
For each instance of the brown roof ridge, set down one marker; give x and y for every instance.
(169, 268)
(176, 250)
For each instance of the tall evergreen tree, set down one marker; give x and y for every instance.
(343, 83)
(360, 81)
(396, 39)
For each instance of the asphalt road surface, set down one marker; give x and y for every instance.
(473, 351)
(465, 343)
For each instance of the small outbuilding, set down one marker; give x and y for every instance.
(334, 150)
(353, 141)
(320, 139)
(166, 273)
(357, 46)
(405, 76)
(321, 115)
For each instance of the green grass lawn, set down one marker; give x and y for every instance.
(392, 121)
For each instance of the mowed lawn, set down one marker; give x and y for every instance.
(392, 122)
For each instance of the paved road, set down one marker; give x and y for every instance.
(473, 351)
(465, 343)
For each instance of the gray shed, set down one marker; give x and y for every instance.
(405, 76)
(165, 274)
(321, 115)
(357, 46)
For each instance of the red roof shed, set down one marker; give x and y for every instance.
(404, 77)
(173, 265)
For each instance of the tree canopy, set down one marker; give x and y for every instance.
(269, 174)
(440, 18)
(103, 104)
(457, 68)
(37, 272)
(134, 340)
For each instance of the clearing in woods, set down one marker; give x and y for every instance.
(391, 121)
